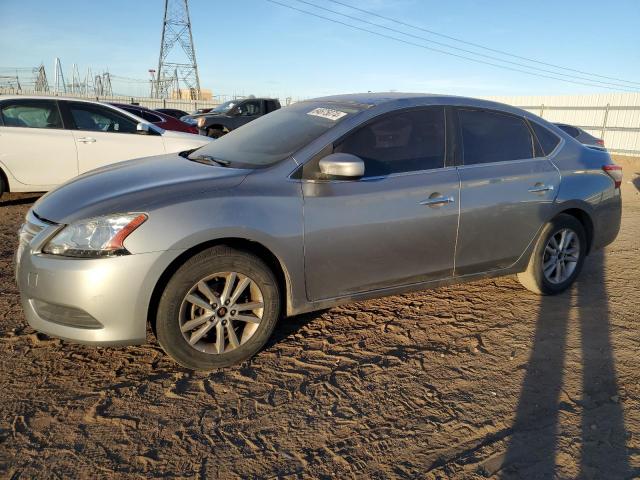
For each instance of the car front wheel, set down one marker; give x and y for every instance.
(218, 309)
(215, 132)
(557, 257)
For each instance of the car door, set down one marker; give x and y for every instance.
(394, 226)
(35, 149)
(507, 189)
(103, 135)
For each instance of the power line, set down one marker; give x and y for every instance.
(502, 52)
(629, 89)
(491, 57)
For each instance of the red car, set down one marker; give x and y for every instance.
(157, 118)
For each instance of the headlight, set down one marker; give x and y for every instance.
(201, 122)
(95, 237)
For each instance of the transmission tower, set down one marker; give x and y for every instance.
(176, 29)
(106, 84)
(59, 85)
(40, 83)
(75, 80)
(88, 82)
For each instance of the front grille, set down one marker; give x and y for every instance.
(33, 225)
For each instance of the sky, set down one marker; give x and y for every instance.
(257, 47)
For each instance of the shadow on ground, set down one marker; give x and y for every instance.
(13, 199)
(533, 447)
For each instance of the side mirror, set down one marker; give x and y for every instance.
(342, 165)
(142, 128)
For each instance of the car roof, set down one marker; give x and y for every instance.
(403, 99)
(47, 97)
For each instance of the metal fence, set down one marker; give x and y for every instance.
(604, 122)
(614, 117)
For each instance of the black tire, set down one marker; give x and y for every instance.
(533, 278)
(3, 186)
(215, 132)
(216, 259)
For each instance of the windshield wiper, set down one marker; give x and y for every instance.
(209, 160)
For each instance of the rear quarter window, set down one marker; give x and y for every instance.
(548, 141)
(574, 132)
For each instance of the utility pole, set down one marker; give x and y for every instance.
(176, 29)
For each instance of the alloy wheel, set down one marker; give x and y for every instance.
(561, 255)
(221, 312)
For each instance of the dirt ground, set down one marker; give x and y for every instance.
(472, 381)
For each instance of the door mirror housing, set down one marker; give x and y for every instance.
(342, 165)
(143, 128)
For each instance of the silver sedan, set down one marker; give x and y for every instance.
(326, 201)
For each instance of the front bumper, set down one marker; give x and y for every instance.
(114, 291)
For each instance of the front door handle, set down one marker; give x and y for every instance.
(87, 139)
(436, 200)
(541, 187)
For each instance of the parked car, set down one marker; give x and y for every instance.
(232, 114)
(45, 141)
(580, 135)
(162, 120)
(172, 112)
(324, 202)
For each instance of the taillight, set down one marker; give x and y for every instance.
(615, 172)
(600, 142)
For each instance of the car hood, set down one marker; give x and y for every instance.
(134, 185)
(187, 137)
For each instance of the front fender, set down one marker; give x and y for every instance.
(266, 209)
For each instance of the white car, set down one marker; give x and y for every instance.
(45, 141)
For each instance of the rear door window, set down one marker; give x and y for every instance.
(489, 136)
(31, 114)
(406, 141)
(548, 141)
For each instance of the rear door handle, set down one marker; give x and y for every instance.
(87, 139)
(436, 200)
(541, 187)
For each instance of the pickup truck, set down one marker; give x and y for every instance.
(231, 115)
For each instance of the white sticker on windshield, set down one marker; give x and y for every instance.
(328, 113)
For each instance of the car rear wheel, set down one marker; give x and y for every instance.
(557, 257)
(3, 186)
(218, 309)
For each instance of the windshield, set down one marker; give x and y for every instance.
(278, 135)
(225, 107)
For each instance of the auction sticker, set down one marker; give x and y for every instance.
(327, 113)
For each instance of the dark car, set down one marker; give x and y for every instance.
(172, 112)
(582, 136)
(231, 115)
(160, 119)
